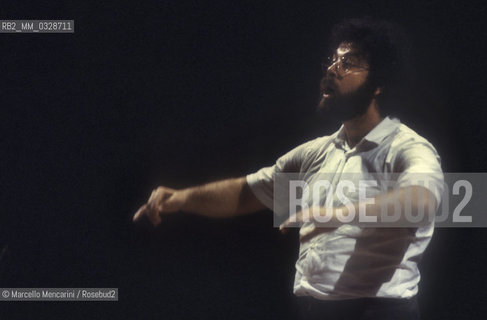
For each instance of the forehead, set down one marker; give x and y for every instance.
(345, 47)
(348, 49)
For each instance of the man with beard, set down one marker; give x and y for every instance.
(344, 270)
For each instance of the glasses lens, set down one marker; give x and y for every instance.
(327, 63)
(343, 64)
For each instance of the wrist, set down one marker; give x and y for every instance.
(182, 197)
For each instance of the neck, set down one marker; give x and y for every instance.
(358, 127)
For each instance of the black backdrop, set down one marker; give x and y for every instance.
(182, 92)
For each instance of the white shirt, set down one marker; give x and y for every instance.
(351, 261)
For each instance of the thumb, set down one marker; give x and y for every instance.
(154, 218)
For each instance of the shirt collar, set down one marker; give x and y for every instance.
(376, 135)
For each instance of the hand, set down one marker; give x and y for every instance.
(162, 201)
(295, 220)
(298, 218)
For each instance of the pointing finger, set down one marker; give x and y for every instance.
(139, 213)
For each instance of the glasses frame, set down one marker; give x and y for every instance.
(342, 67)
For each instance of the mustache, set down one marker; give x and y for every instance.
(327, 84)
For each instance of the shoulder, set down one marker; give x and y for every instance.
(299, 157)
(404, 136)
(315, 147)
(407, 146)
(317, 144)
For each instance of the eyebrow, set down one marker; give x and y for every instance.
(350, 54)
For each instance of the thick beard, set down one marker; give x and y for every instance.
(348, 106)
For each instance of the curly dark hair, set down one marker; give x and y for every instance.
(387, 49)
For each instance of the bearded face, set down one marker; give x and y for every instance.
(348, 105)
(346, 90)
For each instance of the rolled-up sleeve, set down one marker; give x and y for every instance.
(262, 185)
(262, 182)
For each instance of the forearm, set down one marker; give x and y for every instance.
(220, 199)
(401, 207)
(412, 199)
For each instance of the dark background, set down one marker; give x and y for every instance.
(177, 93)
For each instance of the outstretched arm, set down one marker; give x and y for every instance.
(221, 199)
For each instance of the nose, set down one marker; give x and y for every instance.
(331, 71)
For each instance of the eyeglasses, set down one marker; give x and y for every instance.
(344, 65)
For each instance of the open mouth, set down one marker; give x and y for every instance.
(328, 92)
